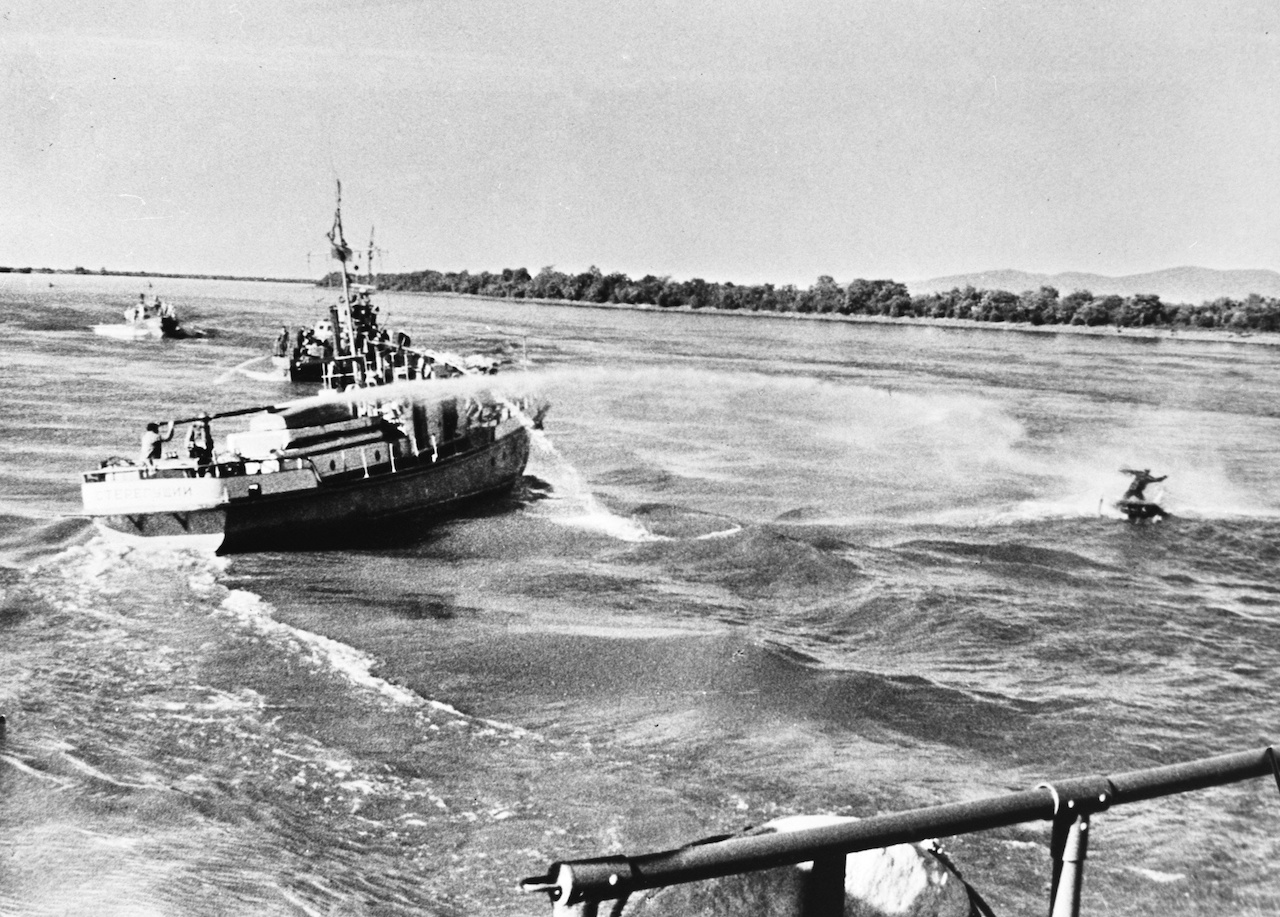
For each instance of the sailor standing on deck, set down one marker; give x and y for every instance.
(200, 441)
(153, 442)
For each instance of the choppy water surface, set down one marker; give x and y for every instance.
(757, 567)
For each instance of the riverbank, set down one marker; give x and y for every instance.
(1211, 335)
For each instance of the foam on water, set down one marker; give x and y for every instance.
(252, 613)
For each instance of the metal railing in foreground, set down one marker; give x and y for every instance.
(578, 887)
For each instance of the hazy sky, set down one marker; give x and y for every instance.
(746, 141)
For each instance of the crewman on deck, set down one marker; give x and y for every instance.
(200, 441)
(153, 442)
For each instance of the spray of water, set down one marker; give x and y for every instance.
(950, 456)
(1209, 472)
(572, 502)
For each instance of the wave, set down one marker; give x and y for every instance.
(165, 731)
(109, 577)
(27, 540)
(1010, 554)
(758, 560)
(254, 614)
(756, 683)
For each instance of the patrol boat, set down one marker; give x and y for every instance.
(318, 472)
(349, 347)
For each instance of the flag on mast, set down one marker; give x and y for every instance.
(341, 250)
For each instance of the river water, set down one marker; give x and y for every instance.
(757, 567)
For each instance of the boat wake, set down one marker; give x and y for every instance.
(164, 725)
(106, 567)
(241, 369)
(251, 613)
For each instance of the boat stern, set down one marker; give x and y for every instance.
(162, 487)
(161, 502)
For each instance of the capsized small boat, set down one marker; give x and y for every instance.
(1142, 510)
(318, 472)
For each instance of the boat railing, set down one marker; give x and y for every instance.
(190, 468)
(578, 887)
(384, 362)
(123, 468)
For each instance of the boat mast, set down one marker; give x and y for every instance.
(342, 252)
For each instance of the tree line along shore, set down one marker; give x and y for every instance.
(104, 272)
(879, 299)
(1045, 306)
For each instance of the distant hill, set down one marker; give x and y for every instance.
(1192, 285)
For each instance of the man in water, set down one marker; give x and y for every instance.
(1139, 484)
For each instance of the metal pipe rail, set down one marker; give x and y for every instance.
(577, 887)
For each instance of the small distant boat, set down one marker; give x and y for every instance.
(145, 322)
(317, 472)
